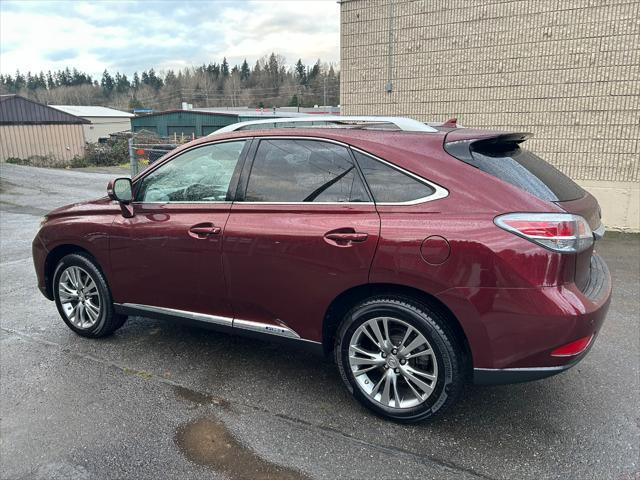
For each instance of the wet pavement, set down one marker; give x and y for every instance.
(164, 400)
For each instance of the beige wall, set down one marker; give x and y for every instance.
(60, 141)
(103, 126)
(567, 71)
(620, 203)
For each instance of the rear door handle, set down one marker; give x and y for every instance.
(344, 238)
(203, 230)
(347, 237)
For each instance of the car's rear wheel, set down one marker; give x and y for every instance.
(399, 358)
(83, 298)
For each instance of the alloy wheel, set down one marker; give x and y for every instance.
(392, 362)
(79, 297)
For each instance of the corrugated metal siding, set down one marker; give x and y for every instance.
(17, 110)
(60, 142)
(203, 123)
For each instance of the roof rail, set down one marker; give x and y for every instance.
(402, 123)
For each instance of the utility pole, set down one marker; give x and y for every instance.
(325, 91)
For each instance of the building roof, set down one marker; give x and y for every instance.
(194, 110)
(247, 112)
(92, 111)
(18, 110)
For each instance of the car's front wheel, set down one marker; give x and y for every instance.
(399, 358)
(83, 298)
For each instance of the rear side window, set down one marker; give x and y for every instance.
(287, 170)
(389, 185)
(529, 172)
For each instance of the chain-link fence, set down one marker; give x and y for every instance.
(147, 148)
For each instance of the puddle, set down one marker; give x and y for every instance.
(208, 442)
(200, 398)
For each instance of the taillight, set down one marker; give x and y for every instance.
(560, 232)
(574, 348)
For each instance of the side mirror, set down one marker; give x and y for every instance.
(121, 190)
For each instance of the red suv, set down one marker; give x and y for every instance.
(420, 259)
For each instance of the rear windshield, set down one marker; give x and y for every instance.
(529, 172)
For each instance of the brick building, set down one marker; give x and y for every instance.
(567, 71)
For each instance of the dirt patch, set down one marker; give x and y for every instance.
(208, 442)
(138, 373)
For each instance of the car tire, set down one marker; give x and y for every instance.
(423, 381)
(83, 297)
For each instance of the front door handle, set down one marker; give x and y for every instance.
(203, 230)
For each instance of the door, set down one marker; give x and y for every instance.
(169, 254)
(304, 230)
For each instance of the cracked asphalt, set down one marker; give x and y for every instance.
(163, 400)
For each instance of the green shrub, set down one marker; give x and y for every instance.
(18, 161)
(43, 161)
(113, 152)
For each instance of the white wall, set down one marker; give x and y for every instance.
(103, 126)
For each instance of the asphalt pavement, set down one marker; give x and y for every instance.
(163, 400)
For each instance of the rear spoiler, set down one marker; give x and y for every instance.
(493, 142)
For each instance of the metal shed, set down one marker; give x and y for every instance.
(197, 123)
(30, 129)
(103, 121)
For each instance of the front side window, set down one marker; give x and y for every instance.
(199, 175)
(287, 170)
(389, 185)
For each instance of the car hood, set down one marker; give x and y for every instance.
(96, 206)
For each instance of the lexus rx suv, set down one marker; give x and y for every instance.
(418, 257)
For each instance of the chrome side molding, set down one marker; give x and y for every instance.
(266, 328)
(201, 317)
(259, 327)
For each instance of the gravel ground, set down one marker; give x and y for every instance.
(163, 400)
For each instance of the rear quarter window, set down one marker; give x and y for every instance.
(529, 172)
(389, 185)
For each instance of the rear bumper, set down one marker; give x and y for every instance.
(512, 332)
(502, 376)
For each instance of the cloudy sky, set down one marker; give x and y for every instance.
(136, 35)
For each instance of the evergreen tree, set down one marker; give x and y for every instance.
(213, 70)
(19, 82)
(273, 70)
(301, 72)
(122, 83)
(106, 83)
(51, 84)
(153, 80)
(224, 68)
(66, 75)
(245, 73)
(269, 82)
(42, 81)
(315, 71)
